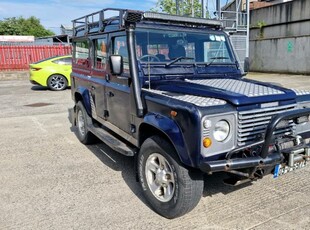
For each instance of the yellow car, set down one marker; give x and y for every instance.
(53, 72)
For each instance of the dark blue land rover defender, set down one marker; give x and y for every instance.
(168, 90)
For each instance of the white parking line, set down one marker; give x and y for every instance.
(39, 124)
(107, 155)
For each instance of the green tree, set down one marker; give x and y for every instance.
(185, 7)
(22, 26)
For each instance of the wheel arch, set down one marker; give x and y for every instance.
(82, 94)
(167, 129)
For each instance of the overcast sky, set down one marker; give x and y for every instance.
(53, 13)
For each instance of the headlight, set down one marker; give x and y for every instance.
(221, 130)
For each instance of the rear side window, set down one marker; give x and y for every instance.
(81, 53)
(63, 61)
(100, 53)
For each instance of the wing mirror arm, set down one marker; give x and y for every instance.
(246, 66)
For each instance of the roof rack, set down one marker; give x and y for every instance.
(95, 22)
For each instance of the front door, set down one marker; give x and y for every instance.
(118, 87)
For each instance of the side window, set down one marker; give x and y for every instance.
(100, 53)
(63, 61)
(120, 48)
(81, 53)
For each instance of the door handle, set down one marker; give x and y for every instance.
(107, 77)
(110, 94)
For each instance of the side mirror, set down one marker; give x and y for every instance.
(116, 64)
(246, 66)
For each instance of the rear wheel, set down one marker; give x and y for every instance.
(82, 118)
(57, 82)
(170, 188)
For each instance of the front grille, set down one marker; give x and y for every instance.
(206, 132)
(252, 124)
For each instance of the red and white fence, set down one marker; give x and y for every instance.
(19, 57)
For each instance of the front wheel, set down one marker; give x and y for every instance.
(171, 189)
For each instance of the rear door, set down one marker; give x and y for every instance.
(66, 66)
(99, 74)
(81, 64)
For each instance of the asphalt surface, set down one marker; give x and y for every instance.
(49, 180)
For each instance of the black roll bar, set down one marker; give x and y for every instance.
(294, 114)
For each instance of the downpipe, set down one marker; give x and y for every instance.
(134, 70)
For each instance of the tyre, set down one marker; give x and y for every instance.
(171, 189)
(82, 119)
(57, 82)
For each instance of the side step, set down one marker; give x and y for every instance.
(111, 141)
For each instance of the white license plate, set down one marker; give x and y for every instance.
(283, 169)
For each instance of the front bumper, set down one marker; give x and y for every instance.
(288, 156)
(241, 163)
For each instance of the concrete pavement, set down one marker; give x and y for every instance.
(286, 80)
(49, 180)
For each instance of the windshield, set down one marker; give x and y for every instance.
(174, 47)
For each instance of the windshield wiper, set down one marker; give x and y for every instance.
(177, 59)
(215, 58)
(219, 58)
